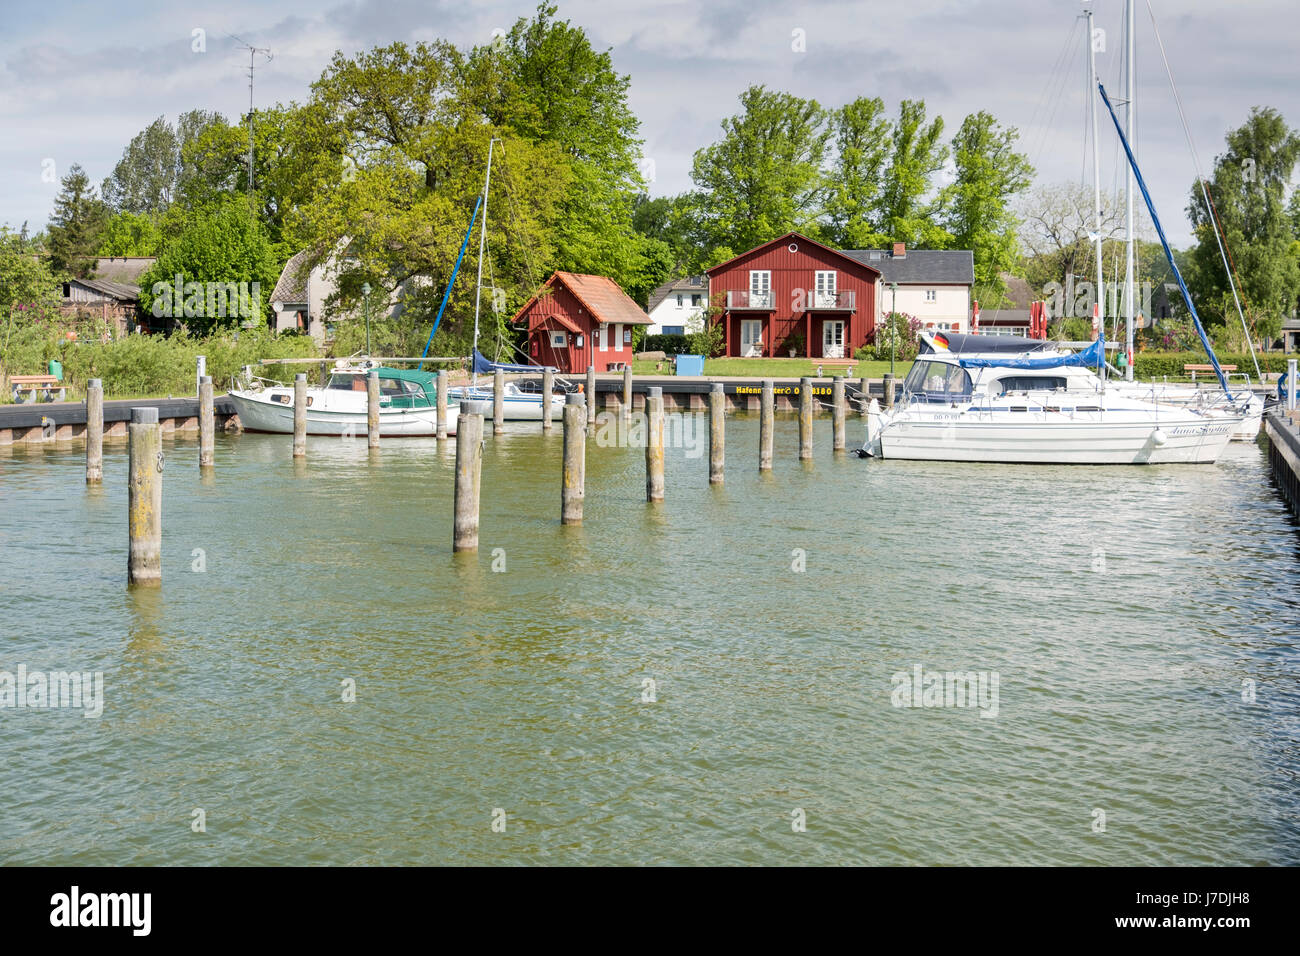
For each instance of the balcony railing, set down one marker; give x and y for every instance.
(750, 300)
(831, 301)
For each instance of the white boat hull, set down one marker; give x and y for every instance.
(260, 412)
(517, 407)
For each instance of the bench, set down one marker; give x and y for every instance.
(36, 384)
(1193, 369)
(841, 363)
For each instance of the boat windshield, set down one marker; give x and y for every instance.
(937, 382)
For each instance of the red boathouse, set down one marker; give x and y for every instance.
(579, 320)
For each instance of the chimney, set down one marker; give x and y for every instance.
(900, 250)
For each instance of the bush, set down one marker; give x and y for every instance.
(1157, 365)
(865, 354)
(669, 344)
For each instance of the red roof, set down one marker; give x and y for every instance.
(599, 295)
(801, 238)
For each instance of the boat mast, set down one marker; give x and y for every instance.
(482, 244)
(1130, 91)
(1098, 308)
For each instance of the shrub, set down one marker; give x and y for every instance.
(1149, 365)
(865, 354)
(668, 344)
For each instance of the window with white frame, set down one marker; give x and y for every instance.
(760, 289)
(931, 295)
(600, 338)
(559, 340)
(824, 297)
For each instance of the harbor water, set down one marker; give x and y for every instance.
(726, 678)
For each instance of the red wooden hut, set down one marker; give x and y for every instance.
(579, 320)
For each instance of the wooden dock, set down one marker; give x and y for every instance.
(1283, 431)
(66, 421)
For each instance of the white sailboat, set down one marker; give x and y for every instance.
(517, 404)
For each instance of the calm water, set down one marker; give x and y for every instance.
(1121, 610)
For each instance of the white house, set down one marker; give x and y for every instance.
(303, 291)
(932, 284)
(677, 307)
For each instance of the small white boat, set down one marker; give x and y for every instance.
(407, 403)
(518, 405)
(1053, 414)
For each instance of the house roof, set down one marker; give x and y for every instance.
(291, 287)
(599, 295)
(801, 238)
(122, 291)
(693, 284)
(123, 268)
(919, 266)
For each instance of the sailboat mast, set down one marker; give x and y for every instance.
(1098, 309)
(482, 245)
(1130, 91)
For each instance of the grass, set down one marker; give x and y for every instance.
(777, 368)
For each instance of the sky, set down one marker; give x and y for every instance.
(79, 80)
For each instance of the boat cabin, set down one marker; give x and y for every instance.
(399, 388)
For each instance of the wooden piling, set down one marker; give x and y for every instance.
(654, 444)
(888, 384)
(591, 399)
(94, 431)
(837, 414)
(469, 470)
(766, 416)
(207, 423)
(717, 433)
(372, 409)
(805, 419)
(144, 498)
(574, 477)
(864, 396)
(300, 415)
(627, 393)
(498, 402)
(442, 404)
(548, 388)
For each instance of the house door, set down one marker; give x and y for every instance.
(833, 338)
(751, 338)
(760, 289)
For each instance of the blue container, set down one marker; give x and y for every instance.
(690, 365)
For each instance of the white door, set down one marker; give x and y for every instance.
(824, 297)
(833, 338)
(760, 289)
(751, 338)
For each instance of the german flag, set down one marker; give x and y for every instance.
(941, 340)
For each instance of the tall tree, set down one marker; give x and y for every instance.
(1248, 189)
(74, 227)
(977, 206)
(148, 177)
(907, 207)
(763, 178)
(130, 234)
(860, 134)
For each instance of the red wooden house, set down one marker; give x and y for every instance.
(579, 320)
(793, 292)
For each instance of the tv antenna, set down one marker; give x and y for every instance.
(253, 51)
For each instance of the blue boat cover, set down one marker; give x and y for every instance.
(1093, 356)
(482, 365)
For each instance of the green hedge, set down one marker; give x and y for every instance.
(1158, 365)
(668, 344)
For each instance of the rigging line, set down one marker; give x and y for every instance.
(1200, 178)
(1052, 91)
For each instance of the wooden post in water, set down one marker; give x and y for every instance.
(206, 423)
(654, 445)
(144, 498)
(888, 384)
(627, 393)
(548, 388)
(766, 414)
(300, 415)
(442, 404)
(837, 414)
(469, 469)
(591, 399)
(372, 409)
(805, 419)
(498, 402)
(94, 431)
(573, 491)
(864, 396)
(717, 433)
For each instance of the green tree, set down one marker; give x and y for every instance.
(223, 243)
(860, 132)
(907, 206)
(1248, 188)
(977, 206)
(130, 234)
(763, 178)
(74, 228)
(152, 170)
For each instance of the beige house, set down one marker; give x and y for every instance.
(304, 291)
(933, 284)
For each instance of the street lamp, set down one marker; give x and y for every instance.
(365, 306)
(893, 287)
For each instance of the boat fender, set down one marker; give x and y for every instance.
(1159, 437)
